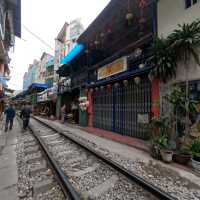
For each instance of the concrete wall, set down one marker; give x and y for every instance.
(170, 14)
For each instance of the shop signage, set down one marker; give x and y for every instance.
(52, 93)
(65, 86)
(119, 65)
(143, 118)
(42, 97)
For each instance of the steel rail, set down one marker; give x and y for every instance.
(130, 175)
(65, 184)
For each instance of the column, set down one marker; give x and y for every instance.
(58, 106)
(155, 98)
(90, 109)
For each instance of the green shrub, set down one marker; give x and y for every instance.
(194, 148)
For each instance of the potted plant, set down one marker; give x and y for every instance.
(155, 148)
(158, 127)
(165, 151)
(194, 149)
(183, 156)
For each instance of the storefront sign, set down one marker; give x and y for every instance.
(143, 118)
(42, 97)
(65, 86)
(113, 68)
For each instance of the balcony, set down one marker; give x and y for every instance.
(50, 63)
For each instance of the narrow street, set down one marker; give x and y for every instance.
(100, 99)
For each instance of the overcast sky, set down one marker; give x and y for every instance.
(45, 18)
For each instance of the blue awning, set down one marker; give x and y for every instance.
(72, 54)
(3, 80)
(37, 87)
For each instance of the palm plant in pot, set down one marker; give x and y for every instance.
(158, 127)
(165, 151)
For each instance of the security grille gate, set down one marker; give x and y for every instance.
(119, 109)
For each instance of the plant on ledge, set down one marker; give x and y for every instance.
(194, 149)
(159, 127)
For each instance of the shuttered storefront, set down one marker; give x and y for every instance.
(123, 108)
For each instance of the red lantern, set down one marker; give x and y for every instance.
(142, 3)
(142, 20)
(109, 87)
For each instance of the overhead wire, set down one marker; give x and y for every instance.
(35, 35)
(38, 37)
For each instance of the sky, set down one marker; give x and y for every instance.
(45, 18)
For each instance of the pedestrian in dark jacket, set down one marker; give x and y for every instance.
(10, 115)
(25, 115)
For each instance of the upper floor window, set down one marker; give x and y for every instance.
(189, 3)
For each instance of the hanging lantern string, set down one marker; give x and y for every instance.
(128, 6)
(142, 3)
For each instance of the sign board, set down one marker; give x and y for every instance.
(119, 65)
(65, 85)
(42, 97)
(143, 118)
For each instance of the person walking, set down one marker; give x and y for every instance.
(10, 115)
(25, 116)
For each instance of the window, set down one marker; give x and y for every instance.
(189, 3)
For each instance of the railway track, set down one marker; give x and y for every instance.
(87, 174)
(38, 177)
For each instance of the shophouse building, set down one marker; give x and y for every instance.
(109, 68)
(65, 42)
(10, 26)
(25, 84)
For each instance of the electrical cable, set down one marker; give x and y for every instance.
(37, 37)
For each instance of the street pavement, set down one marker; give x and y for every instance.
(8, 167)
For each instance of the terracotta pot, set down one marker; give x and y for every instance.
(166, 155)
(182, 158)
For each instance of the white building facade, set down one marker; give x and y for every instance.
(170, 14)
